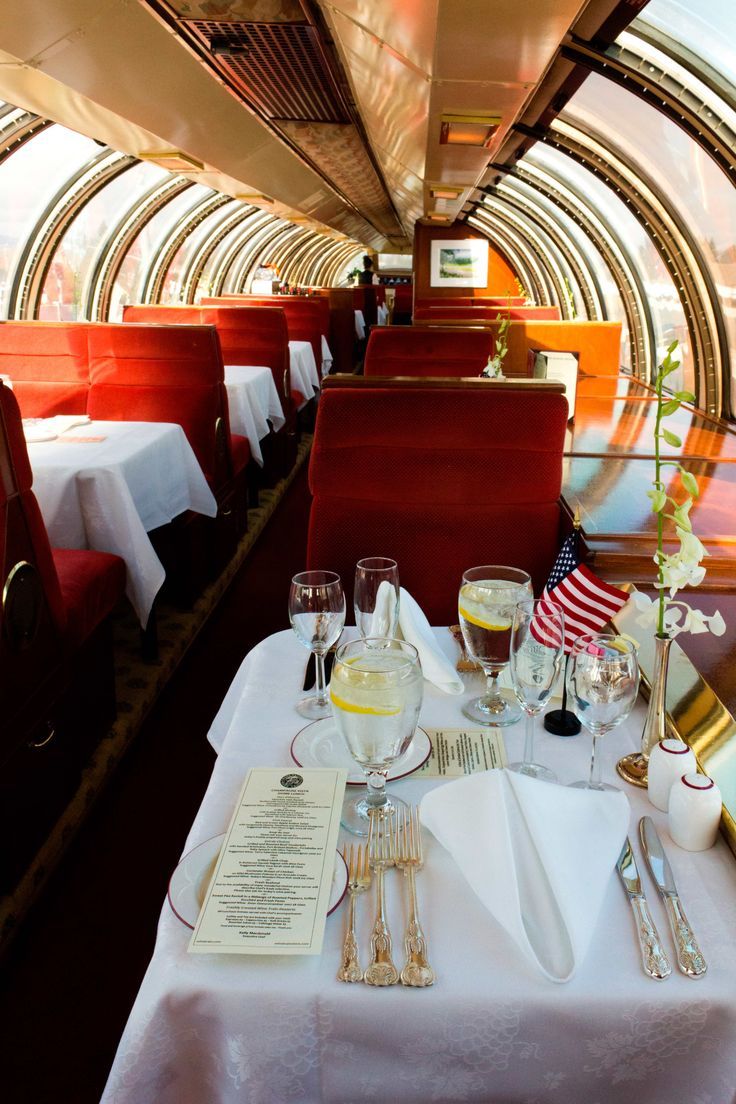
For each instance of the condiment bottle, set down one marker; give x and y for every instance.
(694, 812)
(668, 761)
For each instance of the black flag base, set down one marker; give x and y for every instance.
(561, 722)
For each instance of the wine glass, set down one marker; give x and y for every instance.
(317, 616)
(376, 596)
(537, 647)
(486, 604)
(376, 693)
(603, 680)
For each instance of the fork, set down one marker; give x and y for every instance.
(381, 851)
(359, 879)
(409, 857)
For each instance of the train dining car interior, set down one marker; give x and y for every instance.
(309, 309)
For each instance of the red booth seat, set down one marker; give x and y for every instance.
(47, 362)
(57, 692)
(403, 303)
(471, 301)
(440, 477)
(307, 319)
(404, 351)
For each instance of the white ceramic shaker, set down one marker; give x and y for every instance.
(668, 761)
(694, 812)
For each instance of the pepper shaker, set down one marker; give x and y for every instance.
(694, 812)
(669, 760)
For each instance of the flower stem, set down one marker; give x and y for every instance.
(660, 519)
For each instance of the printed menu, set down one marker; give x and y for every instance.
(460, 751)
(270, 890)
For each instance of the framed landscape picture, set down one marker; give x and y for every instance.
(459, 263)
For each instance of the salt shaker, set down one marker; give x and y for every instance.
(694, 812)
(668, 761)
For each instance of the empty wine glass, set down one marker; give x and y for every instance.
(603, 680)
(317, 616)
(486, 604)
(537, 647)
(376, 693)
(376, 596)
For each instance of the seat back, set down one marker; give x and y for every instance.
(439, 475)
(471, 301)
(305, 317)
(159, 373)
(47, 362)
(403, 303)
(365, 300)
(32, 616)
(409, 351)
(481, 314)
(248, 335)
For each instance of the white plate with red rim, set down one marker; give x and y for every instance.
(189, 882)
(321, 745)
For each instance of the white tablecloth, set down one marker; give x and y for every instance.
(382, 312)
(254, 402)
(270, 1030)
(304, 375)
(326, 357)
(108, 495)
(359, 325)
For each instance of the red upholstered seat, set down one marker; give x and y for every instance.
(440, 479)
(408, 351)
(482, 314)
(305, 317)
(403, 302)
(247, 335)
(57, 692)
(47, 363)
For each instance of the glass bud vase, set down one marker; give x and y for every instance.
(633, 768)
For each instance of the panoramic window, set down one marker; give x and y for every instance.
(706, 27)
(29, 179)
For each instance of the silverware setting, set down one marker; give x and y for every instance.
(690, 959)
(393, 841)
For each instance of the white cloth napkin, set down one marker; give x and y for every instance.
(415, 629)
(63, 422)
(538, 855)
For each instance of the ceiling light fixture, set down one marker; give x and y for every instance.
(468, 130)
(445, 191)
(173, 160)
(255, 198)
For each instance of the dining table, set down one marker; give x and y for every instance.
(271, 1029)
(359, 325)
(254, 404)
(303, 369)
(107, 485)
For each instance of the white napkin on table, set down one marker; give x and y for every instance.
(63, 422)
(538, 855)
(415, 629)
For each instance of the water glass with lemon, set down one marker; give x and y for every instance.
(486, 603)
(376, 693)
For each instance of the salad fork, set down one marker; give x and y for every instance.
(409, 857)
(381, 851)
(359, 879)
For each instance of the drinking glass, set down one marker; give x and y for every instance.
(537, 648)
(317, 616)
(603, 680)
(376, 596)
(376, 693)
(486, 604)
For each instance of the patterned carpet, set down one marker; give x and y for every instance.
(138, 685)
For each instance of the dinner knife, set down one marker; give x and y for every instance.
(689, 956)
(310, 674)
(653, 957)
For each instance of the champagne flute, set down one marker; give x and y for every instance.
(376, 596)
(486, 604)
(376, 693)
(537, 647)
(603, 680)
(317, 616)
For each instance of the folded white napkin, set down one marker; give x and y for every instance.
(538, 855)
(64, 422)
(415, 629)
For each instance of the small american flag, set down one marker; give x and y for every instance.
(588, 603)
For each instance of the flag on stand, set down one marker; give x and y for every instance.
(587, 602)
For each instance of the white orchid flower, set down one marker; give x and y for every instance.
(716, 624)
(695, 622)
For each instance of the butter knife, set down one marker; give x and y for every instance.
(653, 957)
(689, 956)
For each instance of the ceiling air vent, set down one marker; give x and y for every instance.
(278, 67)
